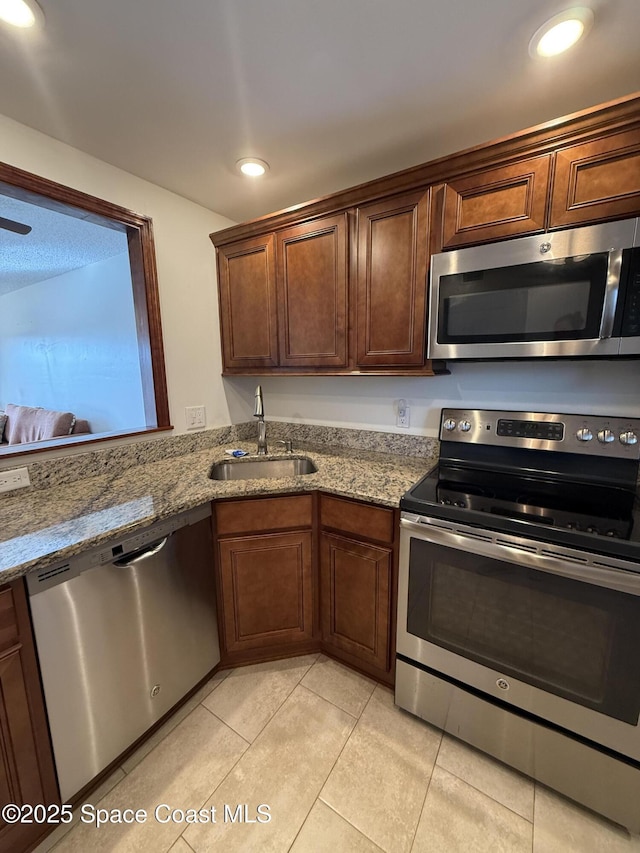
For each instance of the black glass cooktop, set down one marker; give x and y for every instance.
(600, 518)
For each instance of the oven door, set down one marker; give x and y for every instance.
(551, 631)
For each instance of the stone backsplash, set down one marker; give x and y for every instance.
(92, 463)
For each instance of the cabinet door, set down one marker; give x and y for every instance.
(392, 282)
(597, 180)
(312, 292)
(248, 314)
(504, 202)
(26, 763)
(355, 584)
(267, 589)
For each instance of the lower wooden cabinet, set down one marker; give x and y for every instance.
(267, 590)
(358, 584)
(355, 585)
(27, 773)
(292, 580)
(265, 577)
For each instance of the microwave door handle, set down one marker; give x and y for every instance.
(614, 266)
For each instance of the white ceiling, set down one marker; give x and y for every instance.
(56, 244)
(330, 92)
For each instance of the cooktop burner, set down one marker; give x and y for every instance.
(554, 489)
(592, 509)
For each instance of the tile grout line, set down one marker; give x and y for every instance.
(230, 727)
(484, 793)
(184, 841)
(249, 745)
(274, 713)
(426, 793)
(318, 799)
(344, 710)
(533, 830)
(342, 817)
(177, 711)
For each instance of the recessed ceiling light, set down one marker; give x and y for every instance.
(252, 167)
(561, 32)
(20, 13)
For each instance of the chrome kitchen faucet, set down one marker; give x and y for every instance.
(258, 412)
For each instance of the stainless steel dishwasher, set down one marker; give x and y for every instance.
(123, 632)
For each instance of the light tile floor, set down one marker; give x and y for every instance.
(340, 768)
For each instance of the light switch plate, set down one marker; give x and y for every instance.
(195, 417)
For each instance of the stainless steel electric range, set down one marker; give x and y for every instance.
(519, 599)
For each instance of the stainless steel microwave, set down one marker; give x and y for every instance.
(567, 293)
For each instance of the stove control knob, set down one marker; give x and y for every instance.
(605, 436)
(628, 438)
(464, 426)
(584, 434)
(449, 424)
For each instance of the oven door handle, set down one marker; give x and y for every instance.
(569, 563)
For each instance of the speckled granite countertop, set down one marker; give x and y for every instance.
(39, 527)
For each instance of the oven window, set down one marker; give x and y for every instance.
(542, 301)
(570, 638)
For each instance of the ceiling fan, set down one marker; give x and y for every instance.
(16, 227)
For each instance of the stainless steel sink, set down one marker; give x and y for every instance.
(256, 469)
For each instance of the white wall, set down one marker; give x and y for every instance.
(69, 343)
(185, 260)
(588, 387)
(186, 273)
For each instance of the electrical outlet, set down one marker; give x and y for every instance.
(402, 416)
(195, 417)
(15, 478)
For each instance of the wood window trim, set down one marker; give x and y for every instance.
(139, 232)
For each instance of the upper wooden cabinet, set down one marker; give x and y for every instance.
(325, 297)
(248, 314)
(312, 293)
(597, 180)
(391, 282)
(507, 201)
(349, 272)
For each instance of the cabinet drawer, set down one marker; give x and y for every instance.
(362, 520)
(8, 619)
(259, 514)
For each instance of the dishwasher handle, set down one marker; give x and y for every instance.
(143, 553)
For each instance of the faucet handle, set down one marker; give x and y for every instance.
(287, 444)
